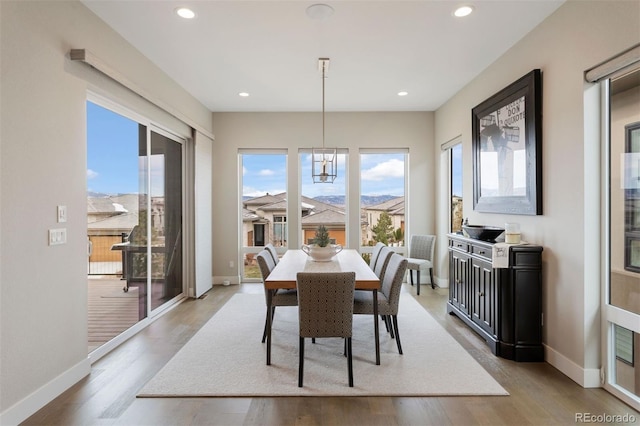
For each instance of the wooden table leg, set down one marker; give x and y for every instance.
(376, 326)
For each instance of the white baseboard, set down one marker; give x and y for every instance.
(587, 378)
(21, 410)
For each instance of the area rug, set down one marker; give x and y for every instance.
(227, 359)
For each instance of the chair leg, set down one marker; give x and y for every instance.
(264, 333)
(395, 326)
(389, 326)
(411, 276)
(418, 285)
(301, 362)
(433, 284)
(386, 322)
(349, 361)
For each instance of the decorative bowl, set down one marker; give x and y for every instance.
(321, 254)
(481, 232)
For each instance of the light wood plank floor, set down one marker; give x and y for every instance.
(539, 394)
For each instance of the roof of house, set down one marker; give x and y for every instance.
(325, 217)
(123, 222)
(393, 204)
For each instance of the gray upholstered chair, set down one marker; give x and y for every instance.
(374, 254)
(388, 296)
(279, 298)
(381, 262)
(273, 252)
(420, 257)
(325, 307)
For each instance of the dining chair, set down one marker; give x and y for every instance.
(382, 261)
(325, 307)
(374, 254)
(273, 252)
(388, 296)
(279, 298)
(420, 257)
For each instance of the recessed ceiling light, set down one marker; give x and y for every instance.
(463, 11)
(403, 93)
(185, 12)
(319, 11)
(243, 94)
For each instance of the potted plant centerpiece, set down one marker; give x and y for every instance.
(321, 250)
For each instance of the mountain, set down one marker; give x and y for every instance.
(367, 200)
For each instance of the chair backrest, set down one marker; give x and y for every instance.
(421, 247)
(392, 281)
(272, 252)
(375, 254)
(325, 303)
(383, 260)
(266, 263)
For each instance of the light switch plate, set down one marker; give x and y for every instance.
(57, 236)
(62, 214)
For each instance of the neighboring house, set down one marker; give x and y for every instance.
(110, 220)
(264, 220)
(393, 207)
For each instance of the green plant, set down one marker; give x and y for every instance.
(398, 235)
(383, 230)
(322, 236)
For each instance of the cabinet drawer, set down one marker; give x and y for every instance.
(483, 252)
(459, 245)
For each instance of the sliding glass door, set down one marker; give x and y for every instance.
(621, 305)
(135, 220)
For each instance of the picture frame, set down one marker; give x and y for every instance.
(507, 149)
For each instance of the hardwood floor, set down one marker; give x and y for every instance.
(539, 394)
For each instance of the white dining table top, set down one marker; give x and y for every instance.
(294, 261)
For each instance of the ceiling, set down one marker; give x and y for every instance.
(270, 49)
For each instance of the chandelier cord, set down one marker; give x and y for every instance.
(324, 66)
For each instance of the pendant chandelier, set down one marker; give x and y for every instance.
(324, 168)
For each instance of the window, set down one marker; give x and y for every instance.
(455, 189)
(279, 231)
(382, 197)
(263, 203)
(323, 203)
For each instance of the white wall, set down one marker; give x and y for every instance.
(43, 290)
(412, 130)
(576, 37)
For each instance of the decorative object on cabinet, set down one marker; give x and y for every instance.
(503, 305)
(507, 149)
(481, 232)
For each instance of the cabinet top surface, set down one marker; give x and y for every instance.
(475, 242)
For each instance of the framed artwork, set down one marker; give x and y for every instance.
(507, 149)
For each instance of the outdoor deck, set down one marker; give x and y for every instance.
(110, 309)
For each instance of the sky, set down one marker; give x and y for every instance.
(112, 152)
(382, 174)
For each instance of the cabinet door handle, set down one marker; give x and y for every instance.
(481, 252)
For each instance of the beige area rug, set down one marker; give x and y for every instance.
(226, 358)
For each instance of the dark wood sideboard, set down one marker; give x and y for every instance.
(503, 305)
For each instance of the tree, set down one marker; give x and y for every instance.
(383, 230)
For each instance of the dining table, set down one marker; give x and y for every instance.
(284, 276)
